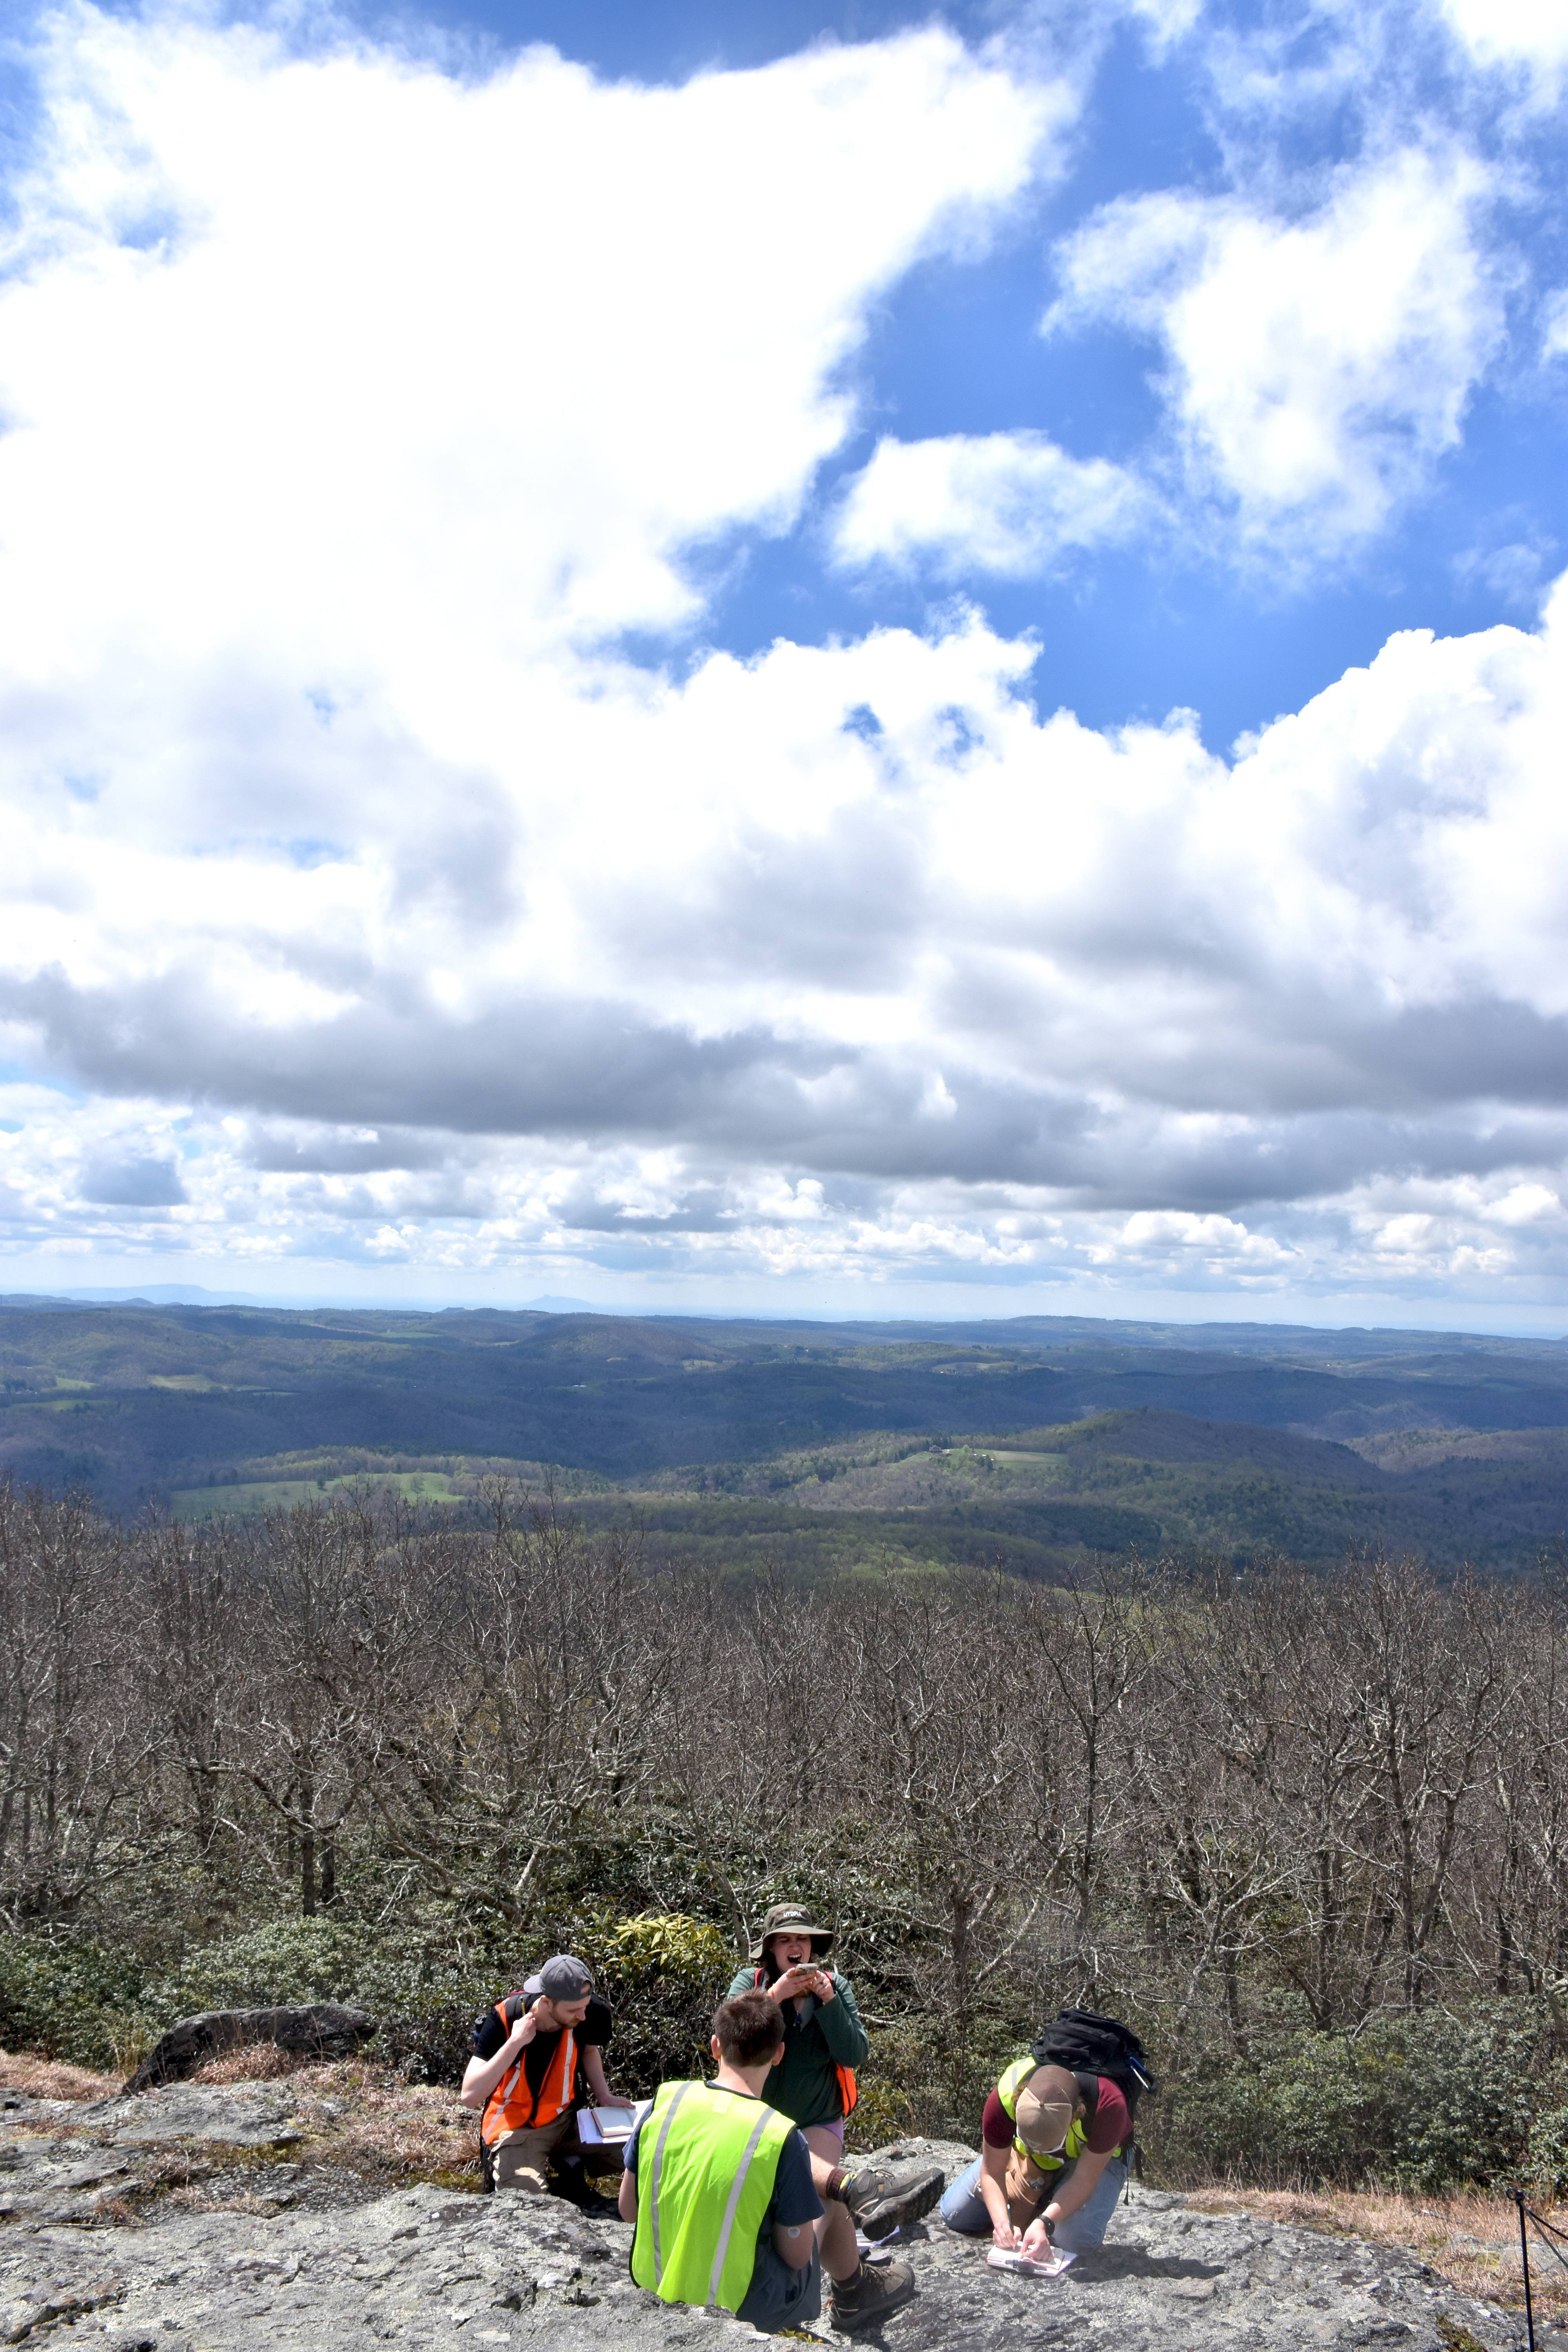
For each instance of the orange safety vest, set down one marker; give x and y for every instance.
(849, 2088)
(512, 2106)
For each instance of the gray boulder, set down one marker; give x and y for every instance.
(318, 2029)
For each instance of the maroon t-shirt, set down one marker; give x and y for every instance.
(1108, 2127)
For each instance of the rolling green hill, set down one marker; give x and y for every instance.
(1038, 1441)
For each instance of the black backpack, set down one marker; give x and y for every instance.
(1087, 2043)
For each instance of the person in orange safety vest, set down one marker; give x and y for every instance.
(535, 2053)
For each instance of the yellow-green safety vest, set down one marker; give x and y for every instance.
(707, 2161)
(1018, 2074)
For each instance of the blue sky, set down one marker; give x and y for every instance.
(851, 661)
(956, 347)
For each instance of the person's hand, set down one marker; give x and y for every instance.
(822, 1986)
(796, 1979)
(527, 2025)
(1003, 2234)
(1036, 2242)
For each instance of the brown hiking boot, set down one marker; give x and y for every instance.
(881, 2202)
(870, 2294)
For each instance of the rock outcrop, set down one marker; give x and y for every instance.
(319, 2028)
(424, 2267)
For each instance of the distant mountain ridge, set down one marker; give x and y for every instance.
(193, 1294)
(1235, 1437)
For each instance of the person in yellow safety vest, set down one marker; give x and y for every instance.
(533, 2053)
(719, 2185)
(1052, 2162)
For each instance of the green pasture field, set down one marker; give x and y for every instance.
(1048, 1466)
(195, 1503)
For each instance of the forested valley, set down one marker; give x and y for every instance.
(1042, 1444)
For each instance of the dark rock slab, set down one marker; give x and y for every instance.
(319, 2029)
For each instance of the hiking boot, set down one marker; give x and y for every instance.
(872, 2294)
(881, 2202)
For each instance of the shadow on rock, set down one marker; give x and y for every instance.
(1132, 2263)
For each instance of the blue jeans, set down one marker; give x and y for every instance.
(779, 2297)
(964, 2209)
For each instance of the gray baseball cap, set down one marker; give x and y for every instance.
(565, 1978)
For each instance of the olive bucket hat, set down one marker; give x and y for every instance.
(792, 1919)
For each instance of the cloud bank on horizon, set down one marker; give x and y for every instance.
(537, 729)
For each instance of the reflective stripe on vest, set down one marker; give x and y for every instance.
(653, 2183)
(707, 2162)
(1017, 2076)
(727, 2230)
(512, 2106)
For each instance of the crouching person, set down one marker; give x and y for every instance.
(1052, 2162)
(533, 2053)
(719, 2185)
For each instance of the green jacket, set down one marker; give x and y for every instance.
(821, 2036)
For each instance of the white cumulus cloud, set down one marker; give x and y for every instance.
(1530, 32)
(336, 366)
(1067, 1005)
(360, 900)
(1315, 365)
(1009, 503)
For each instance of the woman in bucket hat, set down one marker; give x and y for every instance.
(814, 2085)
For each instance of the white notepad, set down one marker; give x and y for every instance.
(605, 2127)
(1051, 2268)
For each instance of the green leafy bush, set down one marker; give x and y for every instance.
(426, 1991)
(664, 1972)
(1471, 2090)
(1430, 2100)
(426, 2002)
(882, 2113)
(288, 1960)
(1545, 2169)
(74, 2000)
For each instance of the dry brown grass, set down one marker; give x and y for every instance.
(357, 2117)
(255, 2062)
(46, 2078)
(367, 2119)
(1472, 2241)
(363, 2117)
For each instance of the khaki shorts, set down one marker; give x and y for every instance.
(522, 2159)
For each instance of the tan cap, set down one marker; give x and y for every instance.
(1046, 2107)
(792, 1919)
